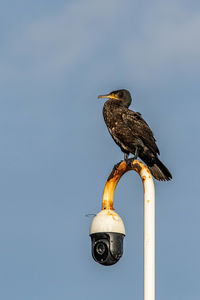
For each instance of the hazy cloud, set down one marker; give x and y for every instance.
(153, 40)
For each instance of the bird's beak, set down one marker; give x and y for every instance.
(108, 96)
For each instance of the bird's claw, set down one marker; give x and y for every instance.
(129, 162)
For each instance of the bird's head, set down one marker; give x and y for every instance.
(121, 95)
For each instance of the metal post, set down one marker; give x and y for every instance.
(149, 217)
(149, 235)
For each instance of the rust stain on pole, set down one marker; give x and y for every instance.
(115, 176)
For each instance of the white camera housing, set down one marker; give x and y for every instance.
(107, 220)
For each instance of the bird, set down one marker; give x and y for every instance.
(131, 133)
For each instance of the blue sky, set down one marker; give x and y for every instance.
(56, 153)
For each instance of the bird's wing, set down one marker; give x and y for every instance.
(140, 129)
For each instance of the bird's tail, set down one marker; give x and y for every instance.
(159, 171)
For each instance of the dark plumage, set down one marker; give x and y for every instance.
(131, 133)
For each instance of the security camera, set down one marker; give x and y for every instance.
(107, 232)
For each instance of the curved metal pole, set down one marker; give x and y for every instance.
(149, 216)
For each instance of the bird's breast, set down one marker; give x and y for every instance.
(112, 115)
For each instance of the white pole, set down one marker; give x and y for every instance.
(149, 217)
(149, 235)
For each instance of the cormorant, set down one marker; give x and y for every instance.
(131, 133)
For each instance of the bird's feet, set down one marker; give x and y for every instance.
(130, 161)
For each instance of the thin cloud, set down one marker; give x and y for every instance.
(142, 44)
(67, 38)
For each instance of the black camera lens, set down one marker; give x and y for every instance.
(100, 248)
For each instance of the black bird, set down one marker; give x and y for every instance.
(131, 133)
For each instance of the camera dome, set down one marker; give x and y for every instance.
(107, 232)
(107, 221)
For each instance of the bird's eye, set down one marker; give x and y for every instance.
(120, 95)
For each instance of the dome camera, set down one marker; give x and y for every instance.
(107, 232)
